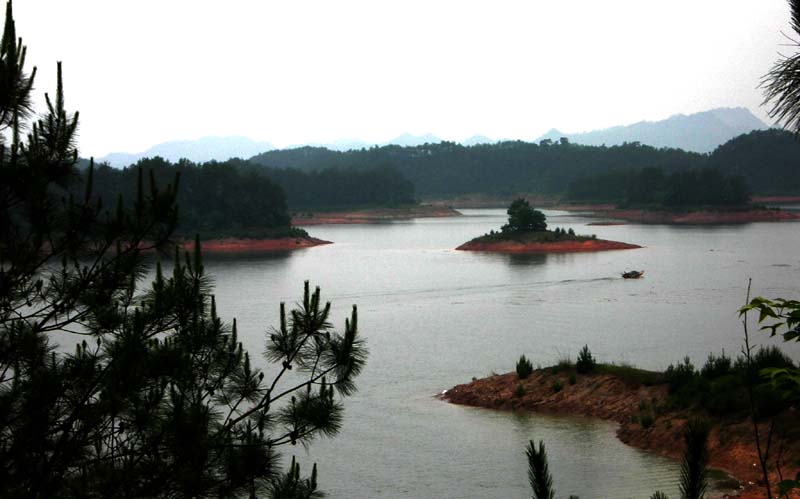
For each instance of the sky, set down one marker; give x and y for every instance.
(291, 72)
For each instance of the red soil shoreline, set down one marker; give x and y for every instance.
(699, 217)
(373, 215)
(608, 397)
(237, 245)
(588, 245)
(776, 199)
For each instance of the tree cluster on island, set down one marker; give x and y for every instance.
(527, 224)
(109, 388)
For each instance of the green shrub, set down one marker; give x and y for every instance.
(678, 376)
(519, 391)
(524, 367)
(586, 362)
(556, 386)
(647, 420)
(572, 379)
(726, 395)
(771, 357)
(716, 367)
(634, 418)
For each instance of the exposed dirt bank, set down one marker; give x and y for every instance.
(478, 200)
(703, 217)
(700, 217)
(609, 397)
(373, 215)
(776, 199)
(235, 245)
(545, 247)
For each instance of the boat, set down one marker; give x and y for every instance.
(633, 274)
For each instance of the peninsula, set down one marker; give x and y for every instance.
(651, 408)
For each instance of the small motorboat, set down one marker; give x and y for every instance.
(633, 274)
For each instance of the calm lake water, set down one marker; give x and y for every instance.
(434, 317)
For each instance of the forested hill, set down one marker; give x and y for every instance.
(214, 199)
(237, 196)
(769, 160)
(448, 168)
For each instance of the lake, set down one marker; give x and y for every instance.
(434, 317)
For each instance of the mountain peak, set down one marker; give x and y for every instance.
(699, 132)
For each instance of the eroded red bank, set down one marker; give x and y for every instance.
(546, 247)
(605, 396)
(235, 245)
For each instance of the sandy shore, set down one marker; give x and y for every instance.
(608, 397)
(588, 245)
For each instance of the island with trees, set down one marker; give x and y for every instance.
(526, 232)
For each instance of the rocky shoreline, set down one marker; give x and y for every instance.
(573, 246)
(610, 397)
(698, 217)
(242, 245)
(373, 215)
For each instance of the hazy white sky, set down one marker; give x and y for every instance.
(288, 72)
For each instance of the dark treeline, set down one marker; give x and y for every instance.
(652, 187)
(338, 187)
(448, 168)
(212, 198)
(768, 161)
(236, 197)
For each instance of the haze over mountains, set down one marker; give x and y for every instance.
(700, 132)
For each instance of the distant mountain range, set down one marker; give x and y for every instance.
(700, 132)
(200, 150)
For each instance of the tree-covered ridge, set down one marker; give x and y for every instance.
(214, 198)
(769, 161)
(766, 159)
(448, 168)
(339, 187)
(651, 187)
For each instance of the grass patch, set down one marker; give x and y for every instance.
(632, 376)
(543, 236)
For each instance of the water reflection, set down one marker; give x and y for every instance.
(249, 256)
(523, 260)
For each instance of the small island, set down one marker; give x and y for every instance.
(526, 232)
